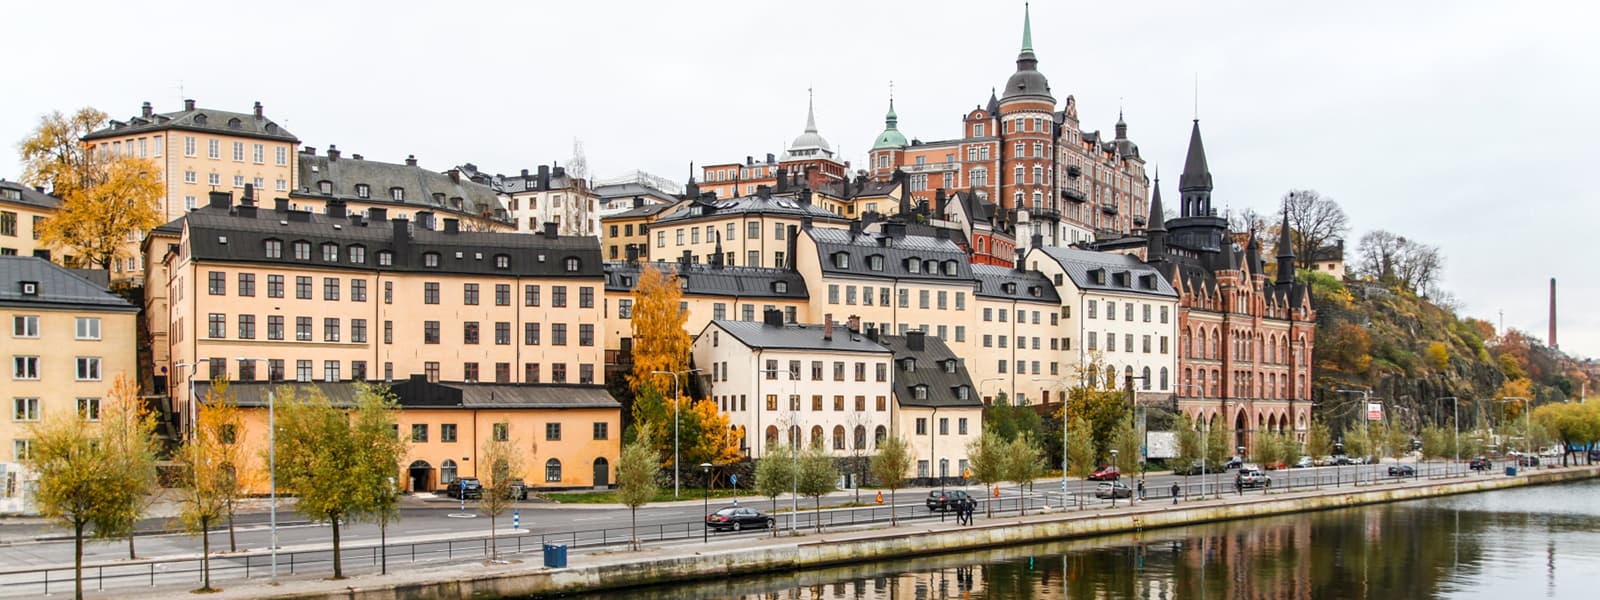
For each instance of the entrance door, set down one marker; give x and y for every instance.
(602, 472)
(420, 475)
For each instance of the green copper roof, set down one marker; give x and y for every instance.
(891, 136)
(1027, 30)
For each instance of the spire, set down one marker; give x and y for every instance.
(1157, 217)
(1285, 251)
(811, 113)
(1027, 29)
(1122, 126)
(994, 104)
(1252, 255)
(1196, 175)
(1027, 81)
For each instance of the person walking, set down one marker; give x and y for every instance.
(1175, 492)
(1141, 490)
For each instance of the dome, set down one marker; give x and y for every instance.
(891, 137)
(810, 143)
(810, 140)
(1027, 81)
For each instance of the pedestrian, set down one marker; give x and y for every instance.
(966, 511)
(1141, 490)
(1238, 486)
(1174, 492)
(961, 512)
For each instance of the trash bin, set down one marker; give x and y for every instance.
(555, 556)
(1511, 471)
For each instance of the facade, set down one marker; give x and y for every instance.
(569, 435)
(1018, 336)
(936, 407)
(749, 231)
(68, 340)
(822, 384)
(617, 194)
(401, 190)
(22, 211)
(809, 154)
(198, 150)
(630, 228)
(1046, 174)
(1244, 342)
(544, 197)
(1329, 260)
(337, 297)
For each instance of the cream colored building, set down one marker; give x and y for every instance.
(936, 407)
(1119, 312)
(747, 231)
(626, 234)
(197, 151)
(1020, 347)
(22, 211)
(68, 340)
(547, 197)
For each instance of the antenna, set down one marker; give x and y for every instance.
(1197, 96)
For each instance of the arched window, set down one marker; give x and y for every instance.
(1202, 382)
(1145, 373)
(816, 435)
(1111, 377)
(772, 435)
(447, 471)
(880, 434)
(1163, 379)
(861, 437)
(552, 471)
(838, 437)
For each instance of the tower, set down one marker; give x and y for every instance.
(1024, 125)
(886, 150)
(1285, 252)
(1156, 232)
(1195, 183)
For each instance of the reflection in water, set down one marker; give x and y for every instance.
(1523, 543)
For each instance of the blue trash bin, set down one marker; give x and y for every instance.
(1511, 471)
(555, 556)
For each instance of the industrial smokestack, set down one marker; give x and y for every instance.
(1553, 344)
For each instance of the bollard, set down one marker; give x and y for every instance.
(516, 519)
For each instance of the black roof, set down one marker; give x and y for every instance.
(199, 119)
(649, 209)
(797, 336)
(16, 193)
(1196, 174)
(895, 250)
(710, 280)
(232, 234)
(1011, 284)
(53, 286)
(421, 188)
(930, 370)
(776, 204)
(1110, 272)
(418, 393)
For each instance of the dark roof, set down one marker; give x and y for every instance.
(422, 188)
(16, 193)
(861, 187)
(227, 235)
(96, 277)
(1196, 174)
(647, 210)
(1011, 284)
(796, 336)
(776, 204)
(929, 371)
(628, 190)
(199, 119)
(417, 393)
(709, 280)
(897, 252)
(1116, 272)
(56, 287)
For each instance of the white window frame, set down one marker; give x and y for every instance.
(25, 409)
(91, 324)
(25, 367)
(25, 326)
(87, 368)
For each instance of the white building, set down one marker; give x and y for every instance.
(822, 383)
(936, 410)
(548, 195)
(1122, 313)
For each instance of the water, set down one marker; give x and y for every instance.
(1537, 542)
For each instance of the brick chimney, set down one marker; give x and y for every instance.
(258, 109)
(827, 327)
(188, 104)
(333, 152)
(146, 111)
(411, 160)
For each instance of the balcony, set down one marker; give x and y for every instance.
(1043, 212)
(929, 167)
(1108, 208)
(1138, 220)
(1074, 171)
(1074, 194)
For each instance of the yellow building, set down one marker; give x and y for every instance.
(936, 407)
(569, 436)
(748, 231)
(336, 297)
(22, 210)
(198, 150)
(630, 229)
(69, 340)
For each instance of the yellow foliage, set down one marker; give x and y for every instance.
(1515, 388)
(659, 340)
(1438, 355)
(717, 442)
(97, 219)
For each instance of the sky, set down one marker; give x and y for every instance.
(1466, 124)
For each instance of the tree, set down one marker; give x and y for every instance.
(1394, 260)
(1438, 442)
(1103, 409)
(1319, 441)
(888, 468)
(776, 473)
(1345, 347)
(105, 197)
(1218, 446)
(77, 481)
(54, 156)
(818, 477)
(637, 469)
(1190, 449)
(1126, 441)
(1576, 425)
(1080, 447)
(706, 434)
(1023, 462)
(1010, 421)
(382, 452)
(128, 429)
(660, 342)
(319, 461)
(986, 459)
(505, 466)
(1438, 355)
(1357, 442)
(215, 471)
(1315, 222)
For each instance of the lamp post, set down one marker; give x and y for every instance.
(1455, 418)
(1205, 440)
(1133, 412)
(1366, 422)
(676, 400)
(1113, 489)
(705, 502)
(1064, 395)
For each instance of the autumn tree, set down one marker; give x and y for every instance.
(1345, 347)
(382, 453)
(128, 428)
(708, 436)
(1126, 441)
(211, 460)
(660, 342)
(1319, 441)
(1575, 424)
(1315, 222)
(637, 469)
(986, 459)
(1008, 421)
(1023, 461)
(818, 477)
(106, 198)
(506, 465)
(1190, 448)
(889, 468)
(1080, 447)
(1100, 404)
(1438, 356)
(776, 473)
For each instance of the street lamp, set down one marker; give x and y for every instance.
(705, 503)
(1366, 422)
(676, 400)
(272, 446)
(1064, 395)
(1113, 489)
(1455, 418)
(1133, 411)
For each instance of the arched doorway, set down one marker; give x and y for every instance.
(1240, 425)
(420, 474)
(602, 472)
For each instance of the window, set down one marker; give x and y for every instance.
(502, 294)
(274, 248)
(247, 327)
(330, 288)
(87, 328)
(385, 258)
(419, 432)
(330, 371)
(274, 286)
(363, 190)
(430, 370)
(572, 265)
(502, 261)
(602, 431)
(530, 334)
(302, 287)
(216, 283)
(469, 371)
(358, 370)
(188, 145)
(625, 308)
(585, 297)
(330, 329)
(397, 194)
(247, 284)
(358, 290)
(558, 373)
(25, 409)
(558, 334)
(430, 332)
(502, 333)
(302, 250)
(501, 432)
(469, 332)
(552, 471)
(25, 326)
(88, 368)
(302, 329)
(330, 252)
(447, 432)
(430, 292)
(552, 431)
(469, 294)
(530, 295)
(585, 334)
(275, 369)
(922, 425)
(430, 259)
(216, 326)
(274, 327)
(213, 148)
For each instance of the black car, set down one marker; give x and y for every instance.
(1480, 464)
(946, 500)
(467, 488)
(738, 518)
(1234, 462)
(1527, 460)
(1402, 471)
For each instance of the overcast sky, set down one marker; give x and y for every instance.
(1469, 125)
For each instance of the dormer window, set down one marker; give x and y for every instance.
(963, 392)
(841, 260)
(919, 392)
(875, 262)
(397, 194)
(325, 187)
(430, 259)
(1033, 290)
(573, 264)
(502, 261)
(330, 252)
(950, 267)
(302, 250)
(234, 123)
(908, 365)
(363, 190)
(931, 266)
(358, 255)
(1098, 276)
(385, 258)
(913, 265)
(455, 202)
(274, 248)
(1010, 288)
(780, 287)
(950, 365)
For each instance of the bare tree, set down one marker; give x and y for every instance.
(1379, 253)
(1314, 222)
(1396, 260)
(1249, 221)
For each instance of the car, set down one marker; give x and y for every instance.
(1234, 462)
(1480, 464)
(738, 518)
(1305, 462)
(1359, 460)
(1340, 459)
(1196, 468)
(518, 489)
(466, 488)
(1106, 473)
(1252, 477)
(1402, 471)
(946, 500)
(1527, 460)
(1112, 489)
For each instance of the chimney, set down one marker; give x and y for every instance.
(770, 158)
(894, 229)
(544, 177)
(247, 211)
(335, 208)
(805, 196)
(550, 230)
(854, 323)
(691, 190)
(455, 175)
(855, 228)
(827, 327)
(941, 203)
(638, 201)
(411, 160)
(333, 152)
(309, 150)
(783, 180)
(764, 191)
(1553, 344)
(220, 200)
(249, 194)
(790, 247)
(1018, 265)
(633, 254)
(355, 156)
(355, 219)
(146, 111)
(749, 160)
(402, 230)
(916, 340)
(805, 222)
(280, 204)
(378, 215)
(524, 173)
(188, 104)
(772, 317)
(452, 226)
(1037, 241)
(258, 109)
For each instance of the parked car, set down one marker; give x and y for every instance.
(519, 490)
(1340, 459)
(1234, 462)
(738, 518)
(1106, 473)
(1305, 462)
(1480, 464)
(467, 488)
(1196, 468)
(1402, 471)
(1251, 477)
(1527, 460)
(1112, 489)
(1358, 460)
(946, 500)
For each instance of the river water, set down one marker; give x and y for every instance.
(1534, 542)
